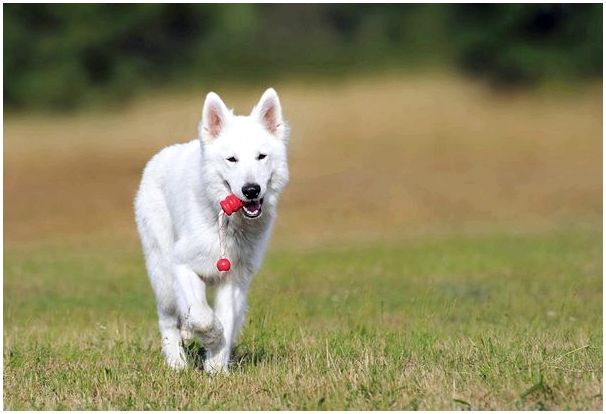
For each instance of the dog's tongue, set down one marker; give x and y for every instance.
(253, 206)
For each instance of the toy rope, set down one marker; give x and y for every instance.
(222, 233)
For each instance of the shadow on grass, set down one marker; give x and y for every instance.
(241, 357)
(195, 354)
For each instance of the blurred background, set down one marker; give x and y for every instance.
(64, 56)
(450, 117)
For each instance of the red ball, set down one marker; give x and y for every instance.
(223, 265)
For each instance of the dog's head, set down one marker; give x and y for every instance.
(245, 155)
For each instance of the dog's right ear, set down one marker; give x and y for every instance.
(214, 116)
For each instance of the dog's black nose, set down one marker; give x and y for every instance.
(251, 190)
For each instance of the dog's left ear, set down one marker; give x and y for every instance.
(269, 112)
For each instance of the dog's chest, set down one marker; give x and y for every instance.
(243, 246)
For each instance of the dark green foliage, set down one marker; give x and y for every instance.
(61, 56)
(519, 43)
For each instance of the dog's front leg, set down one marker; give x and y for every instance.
(197, 317)
(230, 308)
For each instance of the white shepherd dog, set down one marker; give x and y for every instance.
(177, 212)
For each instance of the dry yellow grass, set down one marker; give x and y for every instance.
(371, 158)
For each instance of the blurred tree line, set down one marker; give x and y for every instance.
(66, 55)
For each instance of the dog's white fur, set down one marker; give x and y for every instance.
(177, 209)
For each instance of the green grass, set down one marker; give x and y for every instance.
(487, 322)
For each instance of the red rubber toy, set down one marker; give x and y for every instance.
(231, 204)
(223, 265)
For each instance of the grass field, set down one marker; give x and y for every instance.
(467, 275)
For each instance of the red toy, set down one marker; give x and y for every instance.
(231, 204)
(223, 265)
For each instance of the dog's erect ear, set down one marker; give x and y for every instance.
(269, 112)
(214, 116)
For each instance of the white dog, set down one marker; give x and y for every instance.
(177, 210)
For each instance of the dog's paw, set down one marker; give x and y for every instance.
(187, 335)
(212, 336)
(198, 319)
(176, 362)
(217, 364)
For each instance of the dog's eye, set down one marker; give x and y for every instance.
(261, 156)
(232, 159)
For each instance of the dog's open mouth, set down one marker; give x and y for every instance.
(252, 209)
